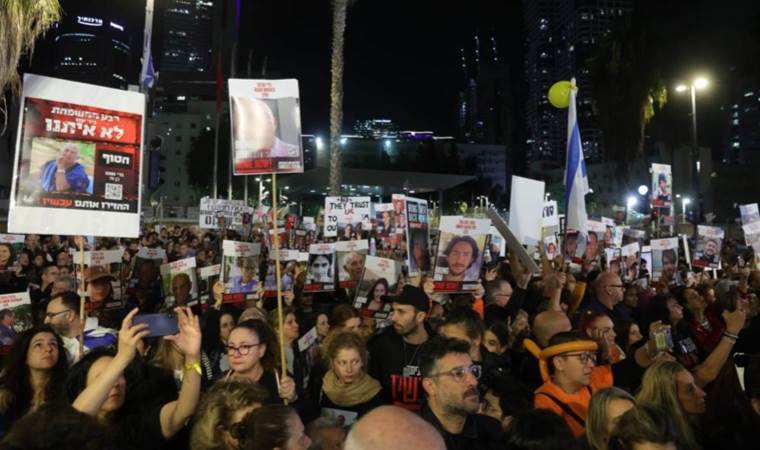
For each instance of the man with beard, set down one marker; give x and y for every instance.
(394, 353)
(450, 381)
(461, 253)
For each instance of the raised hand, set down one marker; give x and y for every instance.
(129, 336)
(188, 340)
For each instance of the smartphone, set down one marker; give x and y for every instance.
(663, 339)
(160, 324)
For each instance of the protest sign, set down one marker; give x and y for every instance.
(289, 259)
(231, 213)
(344, 216)
(631, 254)
(550, 215)
(350, 256)
(460, 253)
(180, 283)
(77, 167)
(102, 277)
(526, 201)
(14, 243)
(550, 247)
(266, 126)
(240, 272)
(595, 240)
(512, 243)
(418, 237)
(16, 320)
(497, 243)
(320, 274)
(664, 259)
(390, 238)
(709, 244)
(662, 185)
(380, 278)
(749, 213)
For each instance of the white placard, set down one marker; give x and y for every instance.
(526, 207)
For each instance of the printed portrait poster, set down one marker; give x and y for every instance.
(240, 271)
(460, 253)
(207, 276)
(497, 243)
(16, 244)
(550, 247)
(320, 271)
(646, 263)
(418, 237)
(102, 278)
(709, 245)
(266, 126)
(752, 236)
(595, 241)
(289, 262)
(344, 216)
(180, 283)
(19, 318)
(573, 246)
(380, 278)
(614, 260)
(217, 213)
(662, 185)
(664, 259)
(389, 242)
(609, 232)
(77, 166)
(350, 256)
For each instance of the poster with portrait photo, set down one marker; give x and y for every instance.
(662, 185)
(497, 244)
(390, 240)
(595, 241)
(646, 263)
(290, 260)
(10, 247)
(78, 160)
(350, 256)
(418, 237)
(180, 283)
(240, 270)
(573, 246)
(614, 261)
(345, 216)
(265, 126)
(102, 278)
(460, 253)
(631, 254)
(320, 270)
(709, 245)
(749, 213)
(380, 278)
(664, 259)
(15, 318)
(551, 249)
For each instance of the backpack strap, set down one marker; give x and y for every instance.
(565, 408)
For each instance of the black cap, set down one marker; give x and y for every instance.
(410, 295)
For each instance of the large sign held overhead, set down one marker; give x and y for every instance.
(221, 213)
(77, 168)
(345, 215)
(266, 126)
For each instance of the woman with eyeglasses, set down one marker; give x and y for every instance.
(34, 373)
(570, 361)
(254, 356)
(346, 386)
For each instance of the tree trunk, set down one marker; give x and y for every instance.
(336, 94)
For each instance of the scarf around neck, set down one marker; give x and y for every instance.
(362, 390)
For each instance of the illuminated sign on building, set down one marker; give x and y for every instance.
(90, 21)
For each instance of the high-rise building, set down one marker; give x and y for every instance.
(743, 144)
(561, 36)
(93, 49)
(376, 128)
(185, 37)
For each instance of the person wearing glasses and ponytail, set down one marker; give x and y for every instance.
(571, 376)
(254, 356)
(450, 380)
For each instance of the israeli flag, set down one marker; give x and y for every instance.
(147, 74)
(576, 180)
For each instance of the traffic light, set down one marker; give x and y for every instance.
(155, 164)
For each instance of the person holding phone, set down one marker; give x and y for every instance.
(98, 385)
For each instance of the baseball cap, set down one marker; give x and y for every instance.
(96, 272)
(410, 295)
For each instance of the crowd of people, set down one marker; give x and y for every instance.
(552, 360)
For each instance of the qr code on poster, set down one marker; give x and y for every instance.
(113, 191)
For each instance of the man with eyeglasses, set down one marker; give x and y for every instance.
(450, 381)
(609, 290)
(62, 315)
(571, 376)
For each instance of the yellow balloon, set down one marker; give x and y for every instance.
(559, 94)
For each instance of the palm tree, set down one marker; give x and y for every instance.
(340, 8)
(21, 22)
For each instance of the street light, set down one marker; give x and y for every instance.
(631, 201)
(697, 83)
(643, 190)
(684, 201)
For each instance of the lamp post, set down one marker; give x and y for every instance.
(697, 83)
(630, 203)
(684, 201)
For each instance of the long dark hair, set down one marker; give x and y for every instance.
(379, 281)
(77, 379)
(15, 379)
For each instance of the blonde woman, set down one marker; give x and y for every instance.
(667, 386)
(606, 407)
(222, 409)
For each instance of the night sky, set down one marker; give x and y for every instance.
(402, 56)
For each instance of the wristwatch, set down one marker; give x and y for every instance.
(61, 171)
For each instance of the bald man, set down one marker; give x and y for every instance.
(255, 131)
(390, 427)
(608, 293)
(545, 325)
